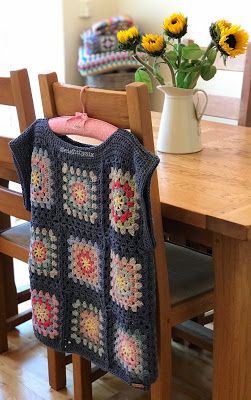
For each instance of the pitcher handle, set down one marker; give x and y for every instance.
(205, 105)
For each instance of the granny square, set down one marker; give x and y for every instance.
(124, 202)
(129, 350)
(79, 193)
(41, 192)
(87, 326)
(84, 262)
(45, 313)
(126, 282)
(43, 252)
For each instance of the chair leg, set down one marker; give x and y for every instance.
(3, 326)
(82, 378)
(56, 369)
(162, 388)
(9, 282)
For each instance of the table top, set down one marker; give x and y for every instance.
(210, 189)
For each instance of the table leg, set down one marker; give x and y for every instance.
(232, 320)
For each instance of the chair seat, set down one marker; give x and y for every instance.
(19, 234)
(190, 273)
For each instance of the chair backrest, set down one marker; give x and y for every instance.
(129, 109)
(14, 91)
(11, 202)
(233, 107)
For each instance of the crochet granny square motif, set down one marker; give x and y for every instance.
(124, 202)
(43, 252)
(79, 193)
(126, 282)
(84, 263)
(129, 351)
(41, 191)
(87, 326)
(45, 313)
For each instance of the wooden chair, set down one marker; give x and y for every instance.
(14, 241)
(14, 91)
(131, 109)
(233, 108)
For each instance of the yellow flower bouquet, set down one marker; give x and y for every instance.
(186, 62)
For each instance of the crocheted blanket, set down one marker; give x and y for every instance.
(91, 256)
(104, 62)
(98, 53)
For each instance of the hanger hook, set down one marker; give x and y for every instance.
(83, 97)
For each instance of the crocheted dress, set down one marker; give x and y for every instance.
(91, 255)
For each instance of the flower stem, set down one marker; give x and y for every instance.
(148, 68)
(179, 53)
(209, 47)
(171, 70)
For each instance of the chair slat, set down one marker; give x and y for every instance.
(236, 64)
(233, 64)
(18, 319)
(223, 107)
(14, 250)
(11, 203)
(7, 167)
(61, 99)
(22, 96)
(5, 152)
(6, 96)
(110, 106)
(8, 172)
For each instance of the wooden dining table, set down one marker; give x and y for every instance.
(209, 192)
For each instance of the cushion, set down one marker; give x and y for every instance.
(190, 272)
(19, 234)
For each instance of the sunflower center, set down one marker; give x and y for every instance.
(174, 21)
(231, 41)
(152, 41)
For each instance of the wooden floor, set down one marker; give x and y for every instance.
(23, 374)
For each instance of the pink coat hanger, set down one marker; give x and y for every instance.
(82, 125)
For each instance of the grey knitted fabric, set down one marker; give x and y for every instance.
(92, 248)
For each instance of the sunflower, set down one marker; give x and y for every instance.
(233, 41)
(175, 26)
(128, 39)
(230, 39)
(216, 28)
(153, 44)
(223, 24)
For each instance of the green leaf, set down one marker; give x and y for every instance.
(180, 79)
(192, 52)
(189, 67)
(207, 71)
(142, 76)
(171, 55)
(156, 71)
(190, 80)
(211, 55)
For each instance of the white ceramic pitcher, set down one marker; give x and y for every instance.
(179, 130)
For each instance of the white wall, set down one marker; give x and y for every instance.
(31, 37)
(74, 26)
(150, 15)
